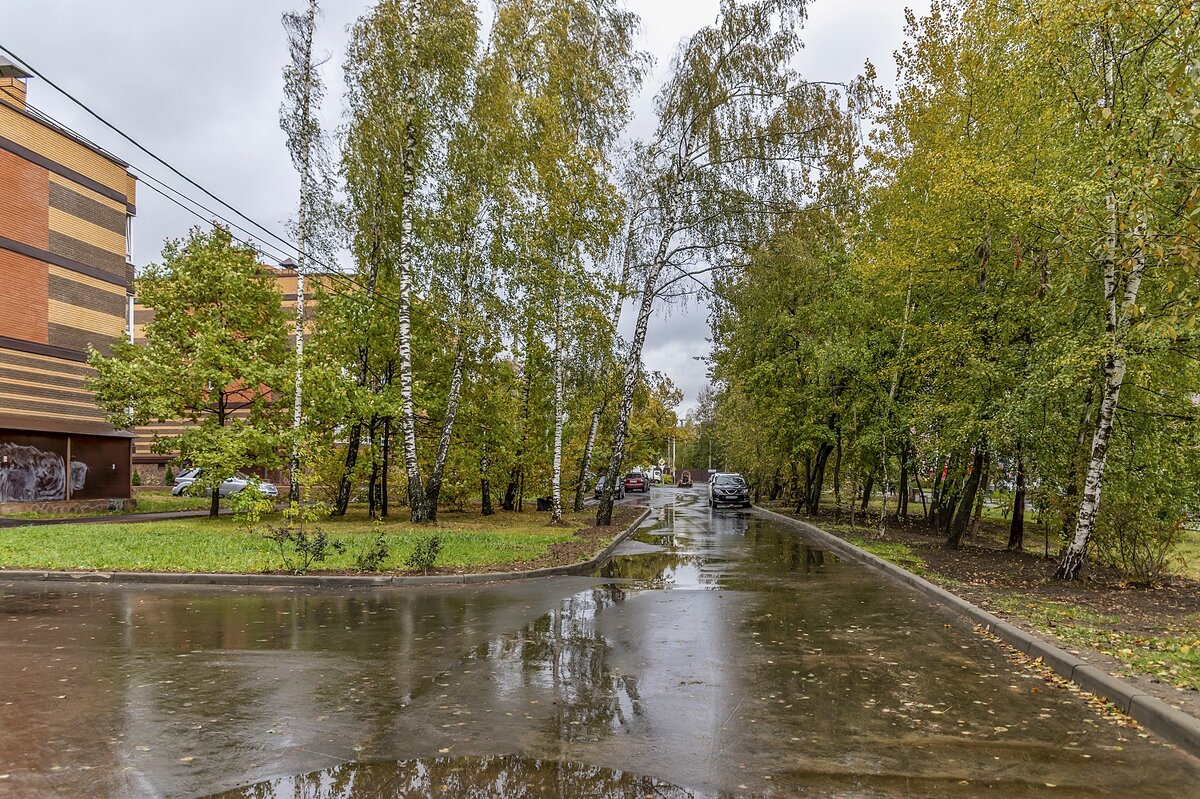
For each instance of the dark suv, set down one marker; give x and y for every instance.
(728, 489)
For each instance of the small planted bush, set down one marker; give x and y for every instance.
(299, 550)
(424, 554)
(372, 557)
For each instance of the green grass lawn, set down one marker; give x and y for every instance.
(1189, 552)
(223, 545)
(147, 502)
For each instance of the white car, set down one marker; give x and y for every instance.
(229, 486)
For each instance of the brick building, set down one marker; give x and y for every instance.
(65, 284)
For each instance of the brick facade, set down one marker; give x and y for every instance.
(64, 281)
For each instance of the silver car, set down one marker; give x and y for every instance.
(229, 486)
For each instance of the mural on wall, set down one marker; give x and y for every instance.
(28, 474)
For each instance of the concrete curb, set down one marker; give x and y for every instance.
(319, 581)
(1155, 715)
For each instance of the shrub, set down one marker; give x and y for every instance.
(137, 477)
(1142, 545)
(169, 477)
(424, 554)
(299, 550)
(372, 557)
(249, 507)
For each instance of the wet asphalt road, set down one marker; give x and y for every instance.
(718, 655)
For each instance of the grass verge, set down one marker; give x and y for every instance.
(469, 542)
(1171, 655)
(147, 502)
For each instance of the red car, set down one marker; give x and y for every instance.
(636, 481)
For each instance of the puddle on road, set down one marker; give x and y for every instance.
(718, 550)
(465, 777)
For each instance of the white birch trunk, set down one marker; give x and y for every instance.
(586, 463)
(633, 366)
(1118, 312)
(404, 267)
(439, 465)
(556, 469)
(304, 229)
(633, 363)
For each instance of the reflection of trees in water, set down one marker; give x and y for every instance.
(260, 657)
(776, 550)
(657, 570)
(465, 778)
(564, 653)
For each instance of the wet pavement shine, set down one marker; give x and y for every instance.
(718, 655)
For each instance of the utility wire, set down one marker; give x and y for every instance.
(138, 145)
(253, 241)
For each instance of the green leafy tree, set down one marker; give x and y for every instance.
(738, 131)
(215, 358)
(408, 75)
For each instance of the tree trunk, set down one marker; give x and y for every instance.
(1077, 457)
(1016, 530)
(868, 486)
(341, 502)
(921, 493)
(902, 503)
(556, 507)
(1076, 554)
(485, 485)
(837, 479)
(633, 363)
(404, 274)
(818, 481)
(373, 480)
(387, 467)
(510, 491)
(1120, 294)
(304, 229)
(214, 505)
(959, 524)
(434, 488)
(586, 462)
(980, 496)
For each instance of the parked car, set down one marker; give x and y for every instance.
(636, 481)
(229, 486)
(620, 493)
(727, 488)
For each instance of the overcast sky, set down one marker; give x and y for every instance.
(199, 84)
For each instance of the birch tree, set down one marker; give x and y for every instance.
(572, 66)
(299, 118)
(1130, 71)
(408, 70)
(737, 130)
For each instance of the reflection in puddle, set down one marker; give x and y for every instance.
(722, 551)
(565, 654)
(465, 777)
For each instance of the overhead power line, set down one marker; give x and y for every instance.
(33, 70)
(254, 241)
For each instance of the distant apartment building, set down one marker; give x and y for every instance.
(66, 284)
